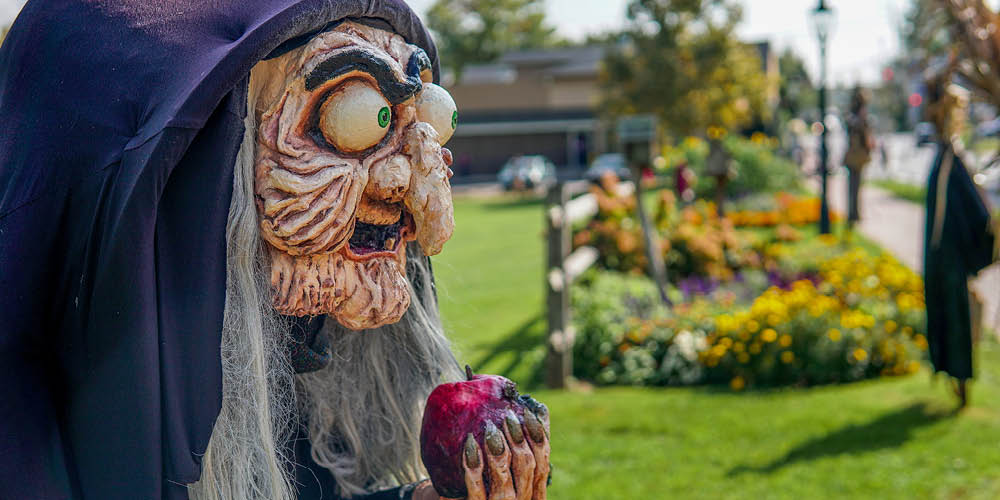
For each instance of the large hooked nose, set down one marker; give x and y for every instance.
(428, 198)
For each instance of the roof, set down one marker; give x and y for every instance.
(562, 62)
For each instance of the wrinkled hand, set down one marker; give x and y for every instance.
(516, 459)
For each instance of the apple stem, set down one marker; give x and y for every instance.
(468, 372)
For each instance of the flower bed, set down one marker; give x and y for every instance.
(694, 240)
(855, 316)
(769, 210)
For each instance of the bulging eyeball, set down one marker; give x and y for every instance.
(436, 107)
(355, 117)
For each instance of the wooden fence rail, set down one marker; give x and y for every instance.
(566, 204)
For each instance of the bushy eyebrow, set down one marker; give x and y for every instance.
(394, 89)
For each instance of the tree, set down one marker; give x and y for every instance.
(924, 32)
(681, 60)
(479, 31)
(975, 51)
(954, 40)
(796, 93)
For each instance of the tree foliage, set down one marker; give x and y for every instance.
(975, 50)
(478, 31)
(796, 94)
(681, 60)
(949, 39)
(924, 32)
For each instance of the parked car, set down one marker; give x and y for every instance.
(613, 162)
(924, 133)
(527, 172)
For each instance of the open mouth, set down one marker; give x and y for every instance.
(379, 240)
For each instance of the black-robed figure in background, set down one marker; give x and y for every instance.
(958, 243)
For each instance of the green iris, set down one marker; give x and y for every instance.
(384, 115)
(454, 119)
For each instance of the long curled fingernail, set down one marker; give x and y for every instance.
(514, 427)
(494, 439)
(543, 411)
(471, 452)
(535, 429)
(530, 402)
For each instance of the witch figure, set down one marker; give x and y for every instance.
(959, 240)
(215, 223)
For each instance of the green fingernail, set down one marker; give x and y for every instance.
(494, 439)
(471, 452)
(514, 427)
(535, 429)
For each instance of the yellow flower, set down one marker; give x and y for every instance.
(737, 383)
(755, 348)
(769, 335)
(834, 334)
(890, 326)
(921, 341)
(753, 326)
(913, 366)
(773, 319)
(723, 323)
(743, 357)
(860, 354)
(787, 357)
(739, 347)
(785, 340)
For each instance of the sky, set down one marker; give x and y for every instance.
(864, 40)
(865, 37)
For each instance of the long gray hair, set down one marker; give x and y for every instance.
(362, 413)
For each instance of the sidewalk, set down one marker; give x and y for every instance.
(898, 226)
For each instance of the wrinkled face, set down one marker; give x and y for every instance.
(349, 168)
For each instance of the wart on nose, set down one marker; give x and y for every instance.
(389, 179)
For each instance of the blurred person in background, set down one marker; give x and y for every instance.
(958, 239)
(719, 165)
(860, 143)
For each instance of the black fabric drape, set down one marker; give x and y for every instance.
(119, 125)
(957, 244)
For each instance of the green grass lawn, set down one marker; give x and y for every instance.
(889, 438)
(902, 190)
(490, 286)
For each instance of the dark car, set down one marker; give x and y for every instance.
(527, 172)
(608, 162)
(924, 133)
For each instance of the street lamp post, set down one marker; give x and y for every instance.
(822, 21)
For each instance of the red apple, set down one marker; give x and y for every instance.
(456, 410)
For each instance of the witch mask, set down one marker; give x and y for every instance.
(349, 168)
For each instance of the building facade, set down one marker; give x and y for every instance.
(529, 102)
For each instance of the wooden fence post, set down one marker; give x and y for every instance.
(559, 358)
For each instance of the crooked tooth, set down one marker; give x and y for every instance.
(390, 243)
